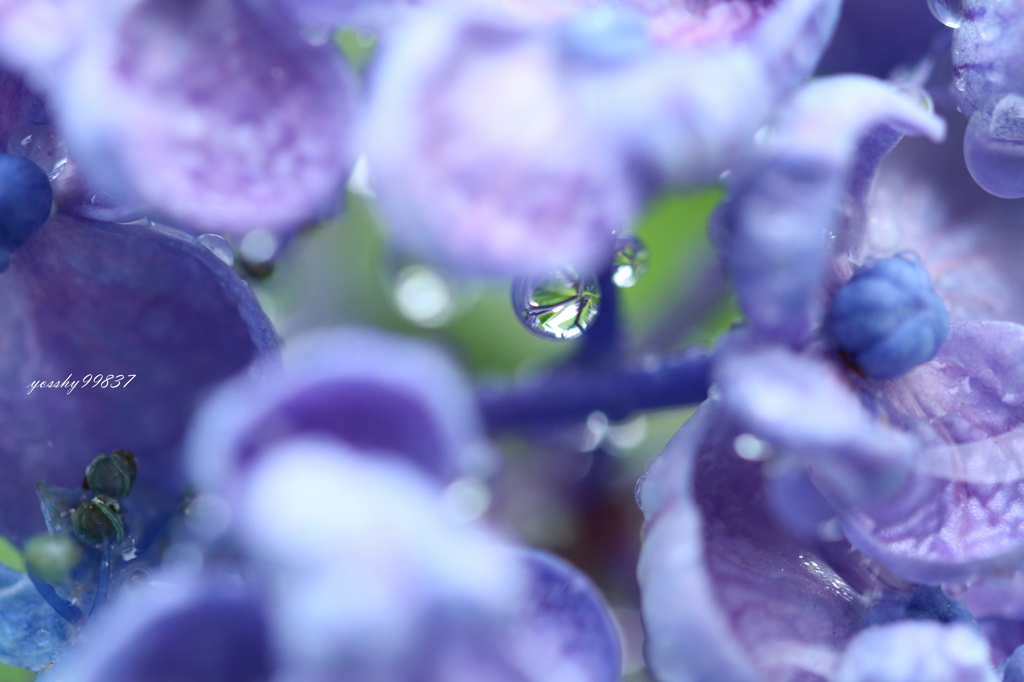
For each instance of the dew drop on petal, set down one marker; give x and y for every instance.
(994, 148)
(631, 261)
(40, 145)
(218, 246)
(557, 306)
(949, 12)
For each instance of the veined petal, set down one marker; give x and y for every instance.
(778, 224)
(727, 594)
(217, 113)
(803, 408)
(480, 156)
(375, 393)
(960, 512)
(156, 316)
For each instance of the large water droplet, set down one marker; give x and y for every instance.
(631, 261)
(557, 306)
(40, 145)
(994, 148)
(949, 12)
(218, 246)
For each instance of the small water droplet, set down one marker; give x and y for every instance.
(918, 95)
(631, 261)
(994, 148)
(949, 12)
(751, 448)
(218, 246)
(40, 145)
(557, 306)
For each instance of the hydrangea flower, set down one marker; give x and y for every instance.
(260, 141)
(544, 170)
(110, 334)
(334, 467)
(917, 471)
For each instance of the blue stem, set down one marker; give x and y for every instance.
(569, 395)
(602, 344)
(62, 606)
(104, 579)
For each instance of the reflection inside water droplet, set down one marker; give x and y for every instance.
(557, 306)
(631, 261)
(40, 145)
(949, 12)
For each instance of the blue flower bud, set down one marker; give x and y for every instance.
(25, 200)
(887, 319)
(924, 603)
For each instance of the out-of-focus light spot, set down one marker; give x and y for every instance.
(466, 499)
(751, 448)
(423, 296)
(359, 181)
(629, 434)
(259, 246)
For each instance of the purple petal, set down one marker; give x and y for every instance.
(804, 408)
(206, 629)
(566, 619)
(218, 114)
(378, 394)
(960, 511)
(481, 158)
(919, 651)
(775, 227)
(361, 557)
(84, 298)
(727, 594)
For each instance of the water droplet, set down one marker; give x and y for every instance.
(557, 306)
(949, 12)
(40, 145)
(994, 148)
(918, 95)
(751, 447)
(631, 261)
(218, 246)
(423, 296)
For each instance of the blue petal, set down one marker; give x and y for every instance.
(85, 298)
(32, 635)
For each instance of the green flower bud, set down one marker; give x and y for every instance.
(97, 521)
(112, 475)
(51, 557)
